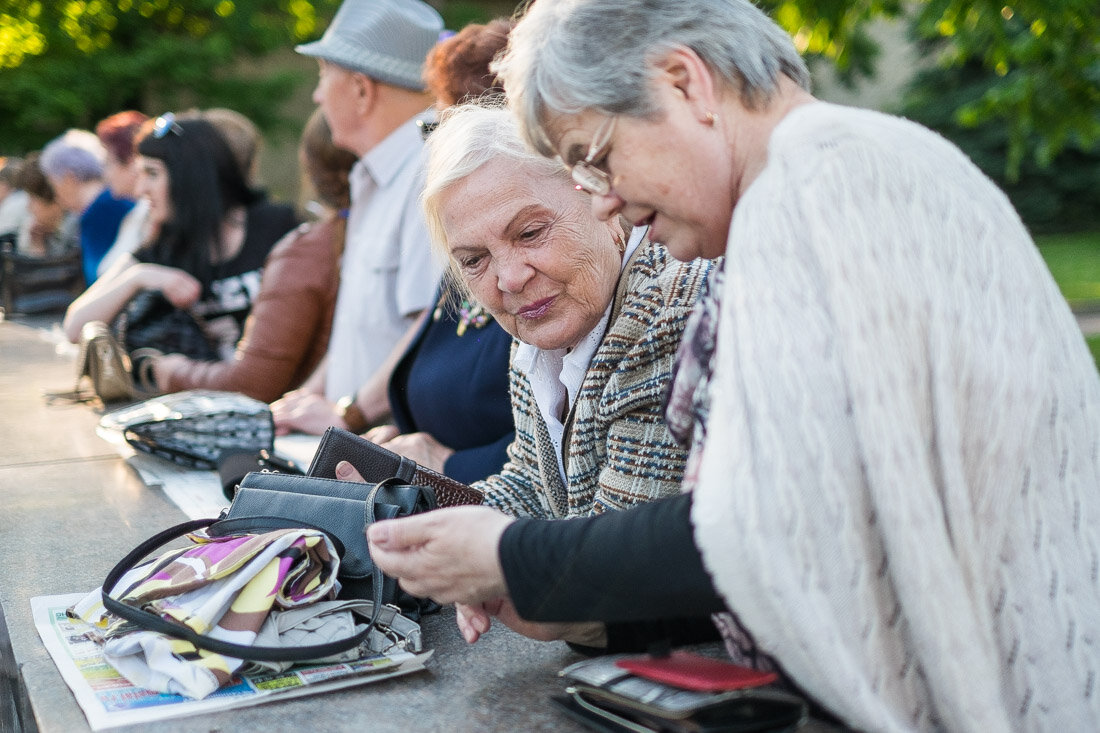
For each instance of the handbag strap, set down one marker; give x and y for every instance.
(152, 622)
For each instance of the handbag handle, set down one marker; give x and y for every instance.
(152, 622)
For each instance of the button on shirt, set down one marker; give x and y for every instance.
(387, 274)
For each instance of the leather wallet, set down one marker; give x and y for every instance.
(374, 463)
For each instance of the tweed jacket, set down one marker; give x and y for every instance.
(617, 448)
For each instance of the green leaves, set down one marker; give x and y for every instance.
(69, 63)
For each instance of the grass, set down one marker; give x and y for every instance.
(1074, 260)
(1094, 347)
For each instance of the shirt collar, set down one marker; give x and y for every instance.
(386, 159)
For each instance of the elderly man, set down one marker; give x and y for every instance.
(371, 93)
(73, 163)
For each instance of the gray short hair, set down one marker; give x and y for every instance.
(468, 137)
(78, 152)
(568, 56)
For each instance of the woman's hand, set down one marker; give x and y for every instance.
(304, 411)
(167, 365)
(420, 447)
(382, 434)
(449, 555)
(181, 289)
(473, 621)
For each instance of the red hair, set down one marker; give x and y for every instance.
(118, 131)
(457, 68)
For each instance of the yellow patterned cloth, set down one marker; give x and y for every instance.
(223, 587)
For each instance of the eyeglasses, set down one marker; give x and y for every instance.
(585, 173)
(165, 124)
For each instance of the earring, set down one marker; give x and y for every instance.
(711, 118)
(620, 244)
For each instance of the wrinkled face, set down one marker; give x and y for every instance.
(662, 177)
(153, 185)
(531, 252)
(122, 178)
(337, 95)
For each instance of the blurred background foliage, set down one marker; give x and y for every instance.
(1016, 83)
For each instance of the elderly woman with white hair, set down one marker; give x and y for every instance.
(73, 163)
(597, 313)
(896, 421)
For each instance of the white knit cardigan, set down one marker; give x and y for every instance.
(898, 496)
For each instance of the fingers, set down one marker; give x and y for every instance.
(472, 621)
(397, 535)
(382, 433)
(346, 472)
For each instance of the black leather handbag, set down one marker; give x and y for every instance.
(194, 428)
(270, 501)
(150, 321)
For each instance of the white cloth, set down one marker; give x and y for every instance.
(556, 375)
(14, 211)
(898, 493)
(131, 234)
(387, 274)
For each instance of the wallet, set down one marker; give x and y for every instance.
(604, 696)
(374, 463)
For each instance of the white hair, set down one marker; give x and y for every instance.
(568, 56)
(78, 152)
(468, 137)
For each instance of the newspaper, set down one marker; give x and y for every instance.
(109, 700)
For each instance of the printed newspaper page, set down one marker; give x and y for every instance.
(109, 700)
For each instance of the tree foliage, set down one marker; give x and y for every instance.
(1042, 58)
(71, 62)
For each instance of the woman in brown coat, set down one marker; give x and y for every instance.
(286, 334)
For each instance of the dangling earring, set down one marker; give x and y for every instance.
(620, 244)
(711, 118)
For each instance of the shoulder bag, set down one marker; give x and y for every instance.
(270, 501)
(195, 427)
(150, 321)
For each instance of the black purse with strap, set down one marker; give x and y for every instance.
(270, 501)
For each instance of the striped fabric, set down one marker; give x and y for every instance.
(618, 449)
(222, 587)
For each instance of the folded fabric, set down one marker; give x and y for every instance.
(224, 587)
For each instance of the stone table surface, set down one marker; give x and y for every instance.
(71, 508)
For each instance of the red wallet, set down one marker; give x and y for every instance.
(690, 671)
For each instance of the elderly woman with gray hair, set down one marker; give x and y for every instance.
(896, 421)
(597, 314)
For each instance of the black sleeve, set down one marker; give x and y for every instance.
(635, 565)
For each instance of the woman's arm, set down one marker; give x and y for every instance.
(290, 313)
(108, 294)
(635, 565)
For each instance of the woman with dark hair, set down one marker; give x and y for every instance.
(213, 234)
(286, 334)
